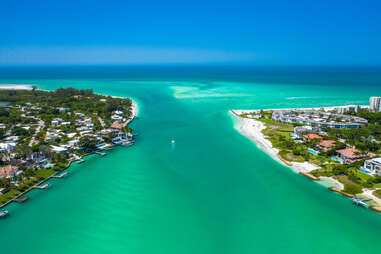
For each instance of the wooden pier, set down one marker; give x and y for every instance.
(60, 175)
(341, 192)
(312, 177)
(41, 187)
(21, 200)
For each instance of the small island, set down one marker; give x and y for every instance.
(43, 132)
(340, 147)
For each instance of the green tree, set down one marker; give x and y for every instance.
(88, 143)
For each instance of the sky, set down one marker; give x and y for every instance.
(266, 32)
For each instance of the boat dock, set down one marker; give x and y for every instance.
(41, 187)
(21, 200)
(60, 175)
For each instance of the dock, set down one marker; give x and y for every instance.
(41, 187)
(127, 143)
(101, 153)
(341, 192)
(375, 208)
(21, 200)
(80, 161)
(60, 175)
(312, 177)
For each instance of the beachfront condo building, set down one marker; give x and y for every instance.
(375, 104)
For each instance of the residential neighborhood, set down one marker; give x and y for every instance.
(43, 135)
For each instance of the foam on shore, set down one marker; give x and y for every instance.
(16, 87)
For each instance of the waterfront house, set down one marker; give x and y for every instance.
(58, 149)
(350, 154)
(326, 145)
(117, 140)
(9, 171)
(6, 147)
(116, 125)
(372, 166)
(311, 136)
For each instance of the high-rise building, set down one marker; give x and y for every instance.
(375, 104)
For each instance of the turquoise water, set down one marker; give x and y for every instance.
(213, 191)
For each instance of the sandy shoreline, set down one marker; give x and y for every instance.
(15, 87)
(252, 129)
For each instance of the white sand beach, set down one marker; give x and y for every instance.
(253, 130)
(135, 108)
(15, 87)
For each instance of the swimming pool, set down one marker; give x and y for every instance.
(313, 151)
(337, 159)
(364, 171)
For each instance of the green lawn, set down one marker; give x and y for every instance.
(349, 186)
(44, 173)
(9, 195)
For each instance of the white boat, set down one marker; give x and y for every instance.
(359, 202)
(4, 213)
(173, 141)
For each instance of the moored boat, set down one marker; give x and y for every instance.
(3, 213)
(359, 202)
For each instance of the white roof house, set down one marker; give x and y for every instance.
(8, 146)
(70, 135)
(73, 142)
(116, 117)
(58, 149)
(372, 166)
(55, 123)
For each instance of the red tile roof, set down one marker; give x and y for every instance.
(116, 125)
(5, 171)
(312, 136)
(349, 152)
(327, 143)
